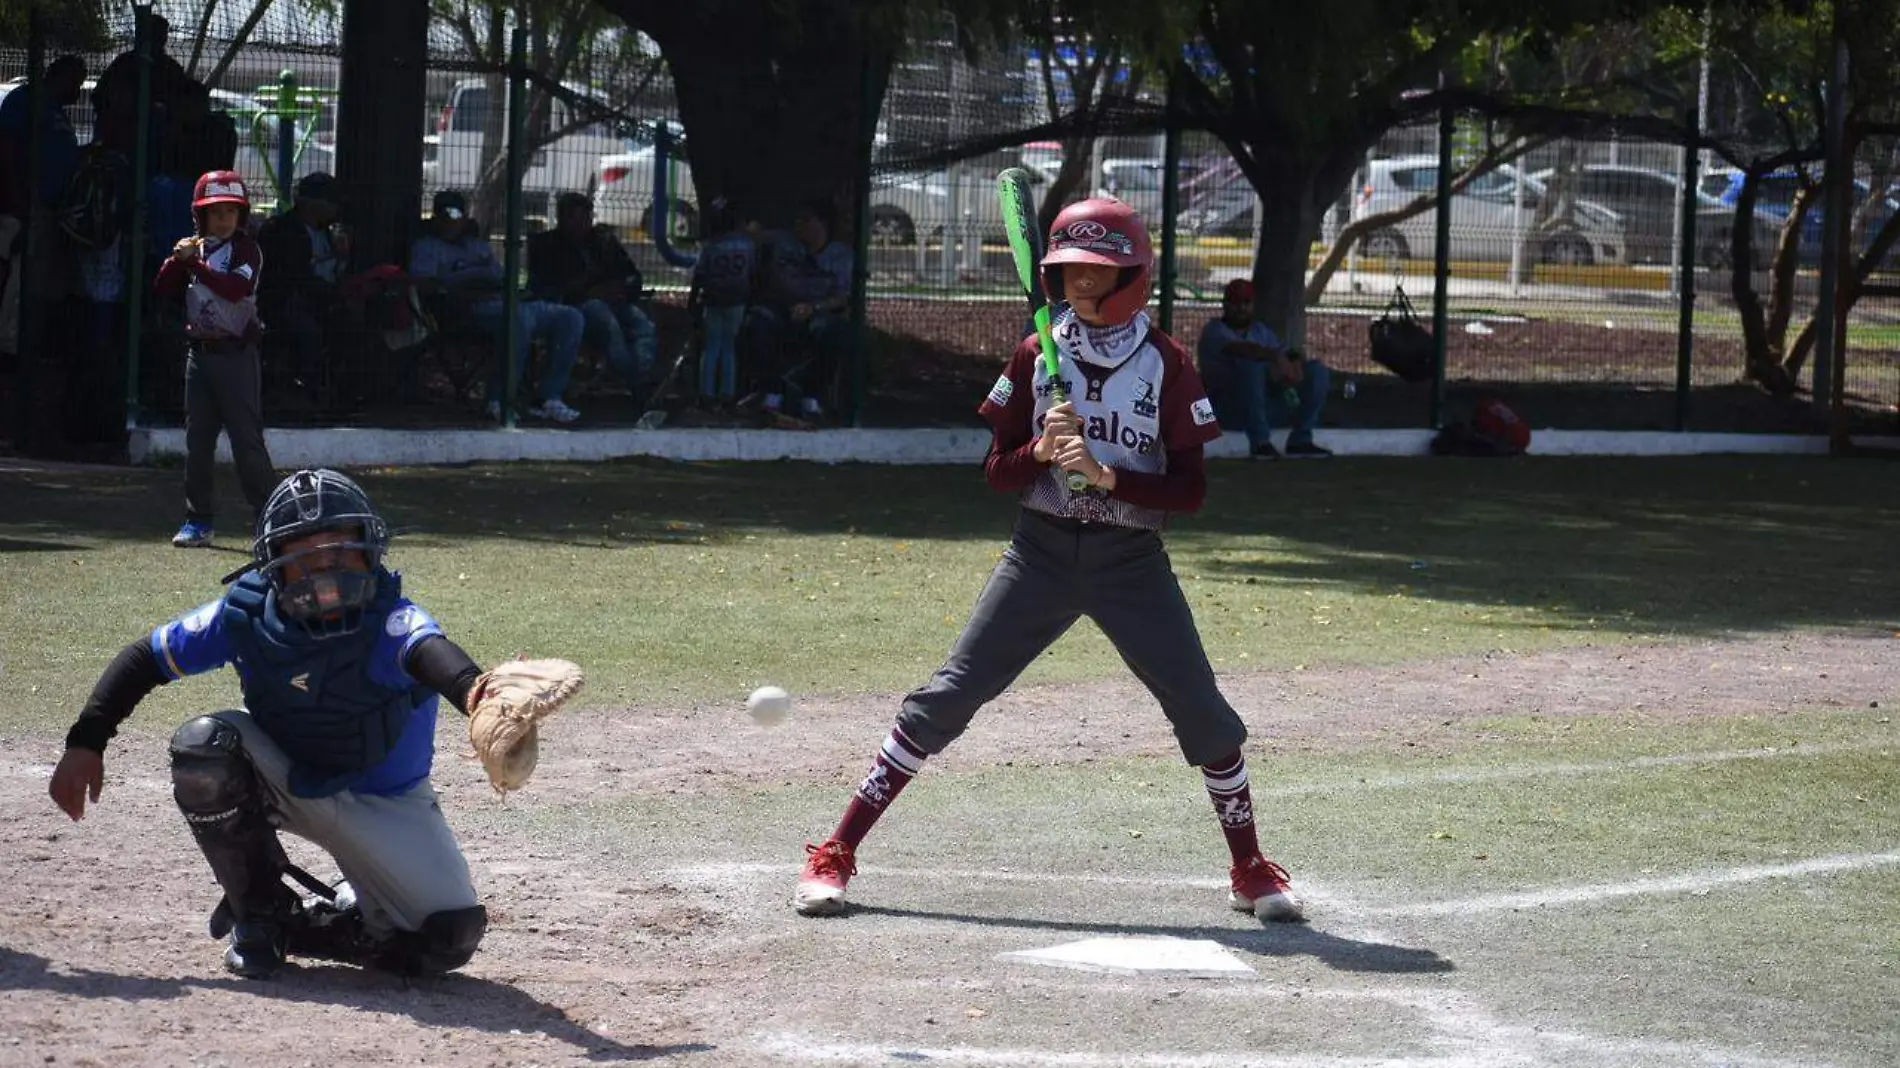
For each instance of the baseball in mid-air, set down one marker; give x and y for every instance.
(769, 705)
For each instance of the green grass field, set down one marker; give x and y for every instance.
(680, 582)
(1647, 885)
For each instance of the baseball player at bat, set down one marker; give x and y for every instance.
(1135, 425)
(341, 676)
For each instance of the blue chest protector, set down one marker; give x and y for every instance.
(315, 697)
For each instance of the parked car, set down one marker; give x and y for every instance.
(1646, 199)
(1138, 183)
(570, 164)
(623, 191)
(1774, 199)
(1218, 201)
(1485, 218)
(905, 205)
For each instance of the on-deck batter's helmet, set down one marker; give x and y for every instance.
(221, 187)
(305, 503)
(1104, 231)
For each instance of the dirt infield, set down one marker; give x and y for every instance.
(596, 955)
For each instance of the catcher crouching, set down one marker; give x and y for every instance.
(341, 676)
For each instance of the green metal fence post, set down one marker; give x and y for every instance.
(135, 277)
(286, 136)
(1685, 290)
(511, 254)
(1441, 265)
(27, 336)
(1170, 208)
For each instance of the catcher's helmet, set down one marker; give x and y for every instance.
(306, 503)
(220, 187)
(1105, 231)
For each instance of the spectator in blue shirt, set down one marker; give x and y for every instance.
(451, 258)
(806, 303)
(1254, 379)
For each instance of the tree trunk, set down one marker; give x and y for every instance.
(1860, 269)
(774, 100)
(1292, 205)
(1764, 329)
(485, 200)
(379, 123)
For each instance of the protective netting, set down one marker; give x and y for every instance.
(1563, 287)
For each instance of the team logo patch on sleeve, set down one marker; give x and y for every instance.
(1000, 392)
(1203, 412)
(243, 271)
(402, 621)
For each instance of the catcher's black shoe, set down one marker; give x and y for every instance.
(256, 950)
(326, 932)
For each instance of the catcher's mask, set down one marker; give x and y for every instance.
(316, 584)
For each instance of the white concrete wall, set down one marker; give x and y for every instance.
(354, 447)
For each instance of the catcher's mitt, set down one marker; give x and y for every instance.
(505, 707)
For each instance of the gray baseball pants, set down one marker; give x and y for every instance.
(224, 393)
(1054, 572)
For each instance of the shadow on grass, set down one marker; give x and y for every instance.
(454, 1001)
(1698, 544)
(1272, 940)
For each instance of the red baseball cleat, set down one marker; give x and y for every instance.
(821, 885)
(1263, 888)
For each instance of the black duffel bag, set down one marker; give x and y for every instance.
(1401, 344)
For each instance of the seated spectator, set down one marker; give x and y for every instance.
(584, 267)
(452, 260)
(723, 280)
(1255, 381)
(805, 299)
(307, 254)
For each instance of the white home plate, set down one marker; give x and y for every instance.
(1197, 957)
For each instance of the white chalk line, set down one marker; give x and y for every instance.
(1489, 1046)
(1691, 883)
(1461, 1032)
(1538, 771)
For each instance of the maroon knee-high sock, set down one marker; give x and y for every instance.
(898, 762)
(1233, 803)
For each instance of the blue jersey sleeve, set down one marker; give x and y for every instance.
(404, 627)
(194, 643)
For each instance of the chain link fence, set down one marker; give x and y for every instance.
(1563, 292)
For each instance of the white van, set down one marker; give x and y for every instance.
(568, 165)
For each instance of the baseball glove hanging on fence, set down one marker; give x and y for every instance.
(505, 708)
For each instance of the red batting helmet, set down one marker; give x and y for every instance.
(1105, 231)
(221, 187)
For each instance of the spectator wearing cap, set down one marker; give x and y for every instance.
(308, 253)
(1253, 378)
(584, 267)
(451, 259)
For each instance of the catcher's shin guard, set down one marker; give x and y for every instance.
(446, 941)
(218, 792)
